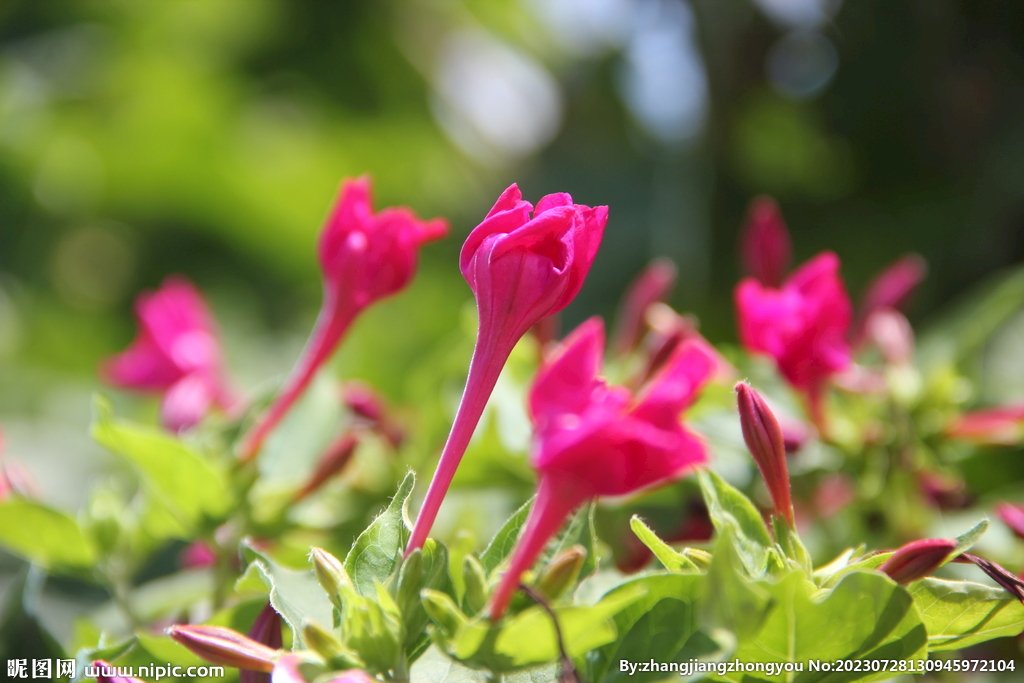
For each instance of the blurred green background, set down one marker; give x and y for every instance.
(208, 137)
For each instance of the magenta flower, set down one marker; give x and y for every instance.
(594, 440)
(176, 353)
(891, 288)
(764, 243)
(802, 326)
(1013, 516)
(364, 257)
(105, 672)
(266, 630)
(651, 286)
(520, 269)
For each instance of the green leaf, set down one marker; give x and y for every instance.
(866, 616)
(961, 613)
(426, 568)
(378, 550)
(22, 634)
(501, 545)
(43, 535)
(670, 558)
(733, 602)
(296, 595)
(527, 638)
(966, 540)
(185, 483)
(579, 531)
(730, 509)
(662, 626)
(437, 667)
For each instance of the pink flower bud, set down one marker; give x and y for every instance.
(764, 243)
(651, 286)
(669, 329)
(802, 326)
(176, 353)
(1012, 516)
(197, 554)
(944, 491)
(331, 463)
(364, 257)
(891, 332)
(763, 436)
(266, 630)
(521, 269)
(219, 645)
(106, 672)
(891, 288)
(917, 559)
(594, 440)
(367, 404)
(992, 426)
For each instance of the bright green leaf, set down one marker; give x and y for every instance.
(730, 509)
(961, 613)
(378, 550)
(43, 535)
(670, 558)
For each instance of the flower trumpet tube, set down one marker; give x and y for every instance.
(176, 354)
(802, 326)
(918, 559)
(593, 440)
(219, 645)
(764, 243)
(764, 439)
(364, 257)
(521, 269)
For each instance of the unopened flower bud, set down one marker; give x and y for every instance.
(891, 288)
(891, 332)
(763, 436)
(197, 554)
(219, 645)
(917, 559)
(330, 573)
(332, 462)
(267, 631)
(764, 242)
(562, 572)
(652, 285)
(327, 646)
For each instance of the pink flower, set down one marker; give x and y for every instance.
(764, 243)
(176, 353)
(520, 269)
(1013, 516)
(594, 440)
(197, 554)
(991, 426)
(891, 288)
(651, 286)
(364, 257)
(802, 326)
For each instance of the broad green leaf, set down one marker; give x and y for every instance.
(670, 558)
(43, 535)
(528, 638)
(501, 545)
(187, 484)
(866, 616)
(660, 626)
(378, 550)
(732, 601)
(730, 509)
(296, 595)
(961, 613)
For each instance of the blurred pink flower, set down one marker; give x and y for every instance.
(651, 286)
(891, 288)
(364, 257)
(594, 440)
(764, 243)
(266, 630)
(802, 326)
(521, 269)
(197, 554)
(176, 353)
(1013, 516)
(992, 426)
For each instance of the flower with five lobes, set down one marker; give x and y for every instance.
(364, 257)
(802, 325)
(176, 353)
(521, 269)
(593, 440)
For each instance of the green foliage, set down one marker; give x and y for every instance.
(44, 535)
(961, 613)
(378, 550)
